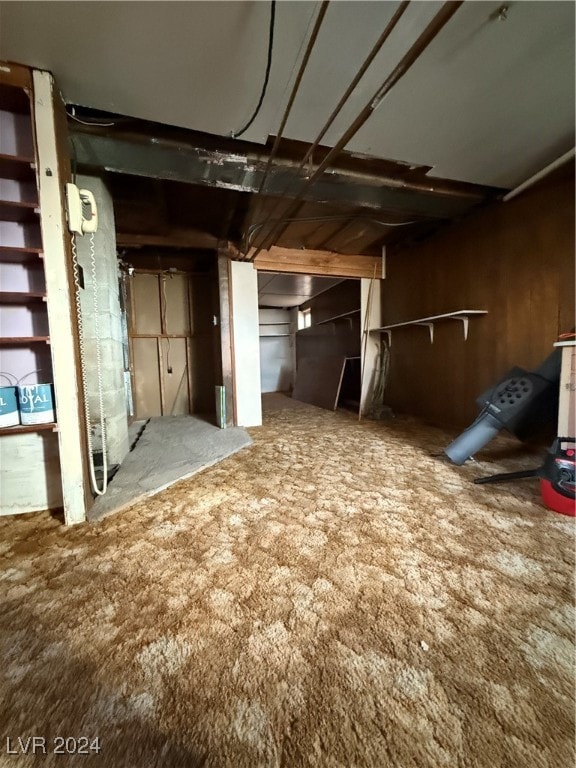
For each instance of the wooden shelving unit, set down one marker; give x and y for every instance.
(37, 299)
(22, 265)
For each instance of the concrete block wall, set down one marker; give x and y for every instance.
(29, 473)
(106, 324)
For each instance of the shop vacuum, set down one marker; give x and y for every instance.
(525, 404)
(557, 476)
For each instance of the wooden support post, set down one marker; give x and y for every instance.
(52, 173)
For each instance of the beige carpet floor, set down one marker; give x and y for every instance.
(331, 596)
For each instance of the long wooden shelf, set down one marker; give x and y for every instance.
(17, 167)
(343, 316)
(271, 330)
(22, 341)
(13, 297)
(20, 429)
(17, 211)
(461, 314)
(19, 254)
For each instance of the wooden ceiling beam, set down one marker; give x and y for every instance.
(188, 238)
(192, 163)
(308, 262)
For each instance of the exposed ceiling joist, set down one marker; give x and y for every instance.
(188, 238)
(158, 158)
(428, 35)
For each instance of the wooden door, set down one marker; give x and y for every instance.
(160, 341)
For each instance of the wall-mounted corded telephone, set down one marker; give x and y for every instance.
(83, 219)
(81, 209)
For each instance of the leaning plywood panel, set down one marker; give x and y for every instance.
(318, 381)
(147, 380)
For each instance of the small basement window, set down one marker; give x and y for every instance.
(304, 319)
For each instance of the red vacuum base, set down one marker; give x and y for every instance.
(556, 501)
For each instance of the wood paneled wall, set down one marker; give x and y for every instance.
(200, 339)
(344, 297)
(513, 259)
(205, 355)
(342, 337)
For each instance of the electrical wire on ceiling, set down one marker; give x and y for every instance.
(371, 56)
(74, 163)
(419, 46)
(237, 134)
(91, 122)
(253, 228)
(98, 123)
(295, 88)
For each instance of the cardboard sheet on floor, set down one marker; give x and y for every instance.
(318, 381)
(169, 449)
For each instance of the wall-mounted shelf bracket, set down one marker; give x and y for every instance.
(430, 327)
(465, 322)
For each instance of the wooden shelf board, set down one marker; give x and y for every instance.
(433, 318)
(14, 99)
(19, 254)
(20, 429)
(12, 297)
(20, 212)
(23, 341)
(17, 167)
(343, 316)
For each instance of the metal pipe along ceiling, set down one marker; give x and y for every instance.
(540, 174)
(359, 75)
(432, 30)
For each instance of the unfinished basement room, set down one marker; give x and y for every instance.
(287, 384)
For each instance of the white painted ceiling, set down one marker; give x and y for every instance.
(488, 102)
(283, 290)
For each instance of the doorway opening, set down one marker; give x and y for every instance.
(172, 338)
(310, 338)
